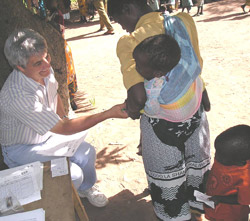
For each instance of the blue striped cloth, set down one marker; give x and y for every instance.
(187, 70)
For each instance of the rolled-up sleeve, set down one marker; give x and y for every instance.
(125, 47)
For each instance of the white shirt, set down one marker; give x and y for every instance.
(27, 109)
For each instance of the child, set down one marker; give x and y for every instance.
(157, 59)
(229, 180)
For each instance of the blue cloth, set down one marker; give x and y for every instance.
(84, 158)
(187, 70)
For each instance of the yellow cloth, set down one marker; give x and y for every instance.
(83, 8)
(148, 25)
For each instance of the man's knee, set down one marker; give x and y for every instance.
(85, 153)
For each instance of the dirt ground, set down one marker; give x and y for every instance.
(225, 47)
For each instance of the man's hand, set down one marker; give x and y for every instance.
(118, 111)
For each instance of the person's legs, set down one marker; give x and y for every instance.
(165, 170)
(198, 11)
(201, 13)
(172, 175)
(243, 8)
(198, 158)
(77, 175)
(99, 5)
(18, 155)
(71, 75)
(85, 157)
(83, 10)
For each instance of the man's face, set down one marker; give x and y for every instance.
(125, 22)
(38, 67)
(128, 18)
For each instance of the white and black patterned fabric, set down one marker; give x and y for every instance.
(176, 133)
(173, 175)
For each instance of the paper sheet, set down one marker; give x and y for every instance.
(204, 198)
(38, 170)
(59, 167)
(24, 183)
(63, 145)
(34, 215)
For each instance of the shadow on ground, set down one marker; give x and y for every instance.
(125, 207)
(104, 157)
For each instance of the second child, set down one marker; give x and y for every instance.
(229, 181)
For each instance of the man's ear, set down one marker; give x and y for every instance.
(20, 68)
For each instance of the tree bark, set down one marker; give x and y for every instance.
(14, 15)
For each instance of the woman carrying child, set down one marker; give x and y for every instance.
(174, 166)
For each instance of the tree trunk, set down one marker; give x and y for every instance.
(14, 15)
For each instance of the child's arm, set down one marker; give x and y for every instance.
(205, 101)
(136, 100)
(230, 199)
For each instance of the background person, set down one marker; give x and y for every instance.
(101, 7)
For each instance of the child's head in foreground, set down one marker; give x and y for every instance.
(156, 56)
(233, 146)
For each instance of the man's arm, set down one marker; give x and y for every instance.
(136, 100)
(71, 126)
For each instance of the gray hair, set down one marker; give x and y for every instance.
(21, 45)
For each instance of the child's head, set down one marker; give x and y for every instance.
(233, 146)
(128, 12)
(156, 56)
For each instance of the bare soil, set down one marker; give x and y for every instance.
(225, 47)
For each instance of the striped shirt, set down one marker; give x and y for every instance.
(27, 109)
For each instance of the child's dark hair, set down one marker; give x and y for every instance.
(115, 6)
(162, 52)
(234, 142)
